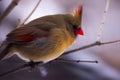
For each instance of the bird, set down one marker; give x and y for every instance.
(43, 39)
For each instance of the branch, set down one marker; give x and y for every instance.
(28, 65)
(31, 13)
(9, 9)
(33, 64)
(20, 68)
(103, 20)
(77, 61)
(97, 43)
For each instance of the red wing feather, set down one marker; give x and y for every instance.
(25, 38)
(27, 34)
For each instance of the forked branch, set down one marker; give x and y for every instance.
(97, 43)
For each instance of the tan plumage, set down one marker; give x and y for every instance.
(45, 38)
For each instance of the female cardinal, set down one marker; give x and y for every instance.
(43, 39)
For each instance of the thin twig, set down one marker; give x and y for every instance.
(97, 43)
(77, 61)
(31, 13)
(103, 20)
(9, 9)
(20, 68)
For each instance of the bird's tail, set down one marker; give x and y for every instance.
(4, 49)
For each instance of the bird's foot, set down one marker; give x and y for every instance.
(33, 64)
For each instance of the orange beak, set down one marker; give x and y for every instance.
(79, 31)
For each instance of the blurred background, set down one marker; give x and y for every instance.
(108, 56)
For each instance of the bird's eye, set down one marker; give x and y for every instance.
(75, 27)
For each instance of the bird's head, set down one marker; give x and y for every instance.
(76, 19)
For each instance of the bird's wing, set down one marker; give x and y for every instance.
(23, 35)
(26, 34)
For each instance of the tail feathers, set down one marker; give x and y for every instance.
(4, 49)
